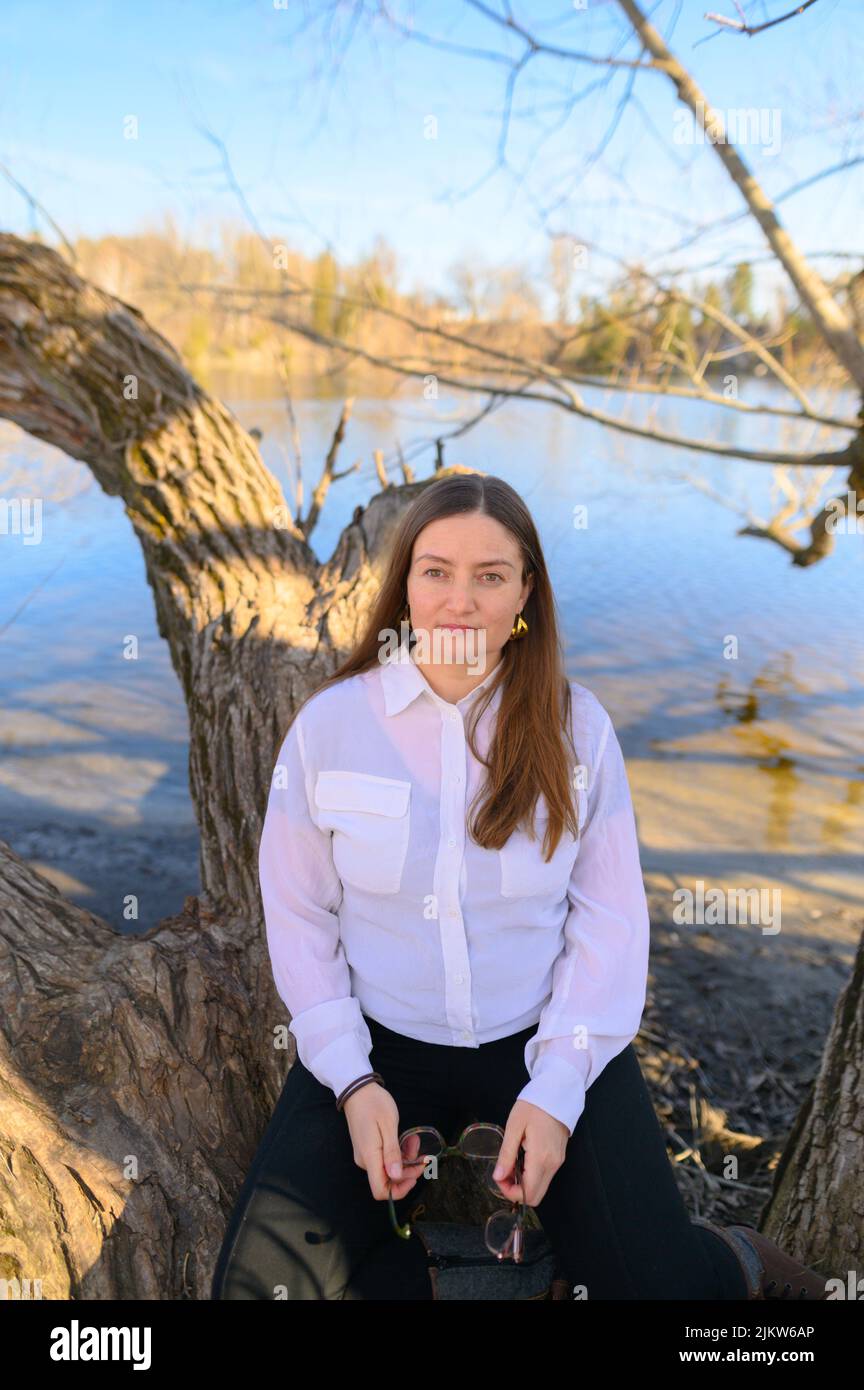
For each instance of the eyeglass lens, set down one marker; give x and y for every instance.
(504, 1235)
(482, 1142)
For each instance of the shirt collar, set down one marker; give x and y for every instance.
(403, 680)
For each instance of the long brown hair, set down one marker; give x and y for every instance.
(531, 744)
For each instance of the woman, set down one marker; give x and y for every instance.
(457, 925)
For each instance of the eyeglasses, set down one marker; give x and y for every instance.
(505, 1230)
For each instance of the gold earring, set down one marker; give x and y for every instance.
(520, 627)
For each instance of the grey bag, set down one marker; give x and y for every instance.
(461, 1266)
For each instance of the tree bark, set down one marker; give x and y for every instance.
(138, 1072)
(816, 1207)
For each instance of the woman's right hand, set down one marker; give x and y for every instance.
(373, 1121)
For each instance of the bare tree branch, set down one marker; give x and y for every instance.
(497, 360)
(742, 27)
(328, 475)
(832, 322)
(40, 207)
(508, 23)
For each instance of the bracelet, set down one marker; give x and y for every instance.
(355, 1086)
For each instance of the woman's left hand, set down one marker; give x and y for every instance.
(544, 1140)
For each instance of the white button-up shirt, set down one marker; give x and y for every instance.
(376, 899)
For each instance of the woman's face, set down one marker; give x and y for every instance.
(466, 571)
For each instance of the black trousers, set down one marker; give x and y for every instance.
(306, 1226)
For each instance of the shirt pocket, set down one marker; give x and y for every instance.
(370, 820)
(524, 871)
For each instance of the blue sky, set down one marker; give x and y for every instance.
(340, 158)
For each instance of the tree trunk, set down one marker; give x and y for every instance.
(816, 1207)
(138, 1072)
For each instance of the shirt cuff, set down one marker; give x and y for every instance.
(340, 1062)
(558, 1088)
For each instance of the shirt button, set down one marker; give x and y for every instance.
(457, 779)
(467, 1036)
(459, 979)
(451, 843)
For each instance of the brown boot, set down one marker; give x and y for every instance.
(768, 1271)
